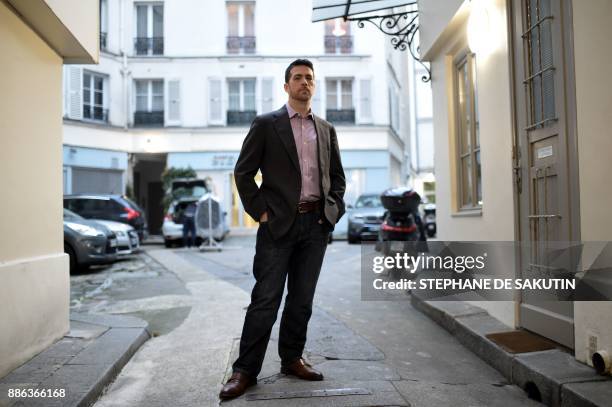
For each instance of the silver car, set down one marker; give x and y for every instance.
(128, 241)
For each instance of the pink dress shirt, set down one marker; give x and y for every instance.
(305, 137)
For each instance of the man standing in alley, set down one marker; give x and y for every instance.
(297, 205)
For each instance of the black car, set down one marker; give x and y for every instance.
(109, 207)
(87, 242)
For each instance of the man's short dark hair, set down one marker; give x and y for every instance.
(297, 62)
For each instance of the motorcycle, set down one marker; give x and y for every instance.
(401, 221)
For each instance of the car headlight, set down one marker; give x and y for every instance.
(84, 229)
(120, 233)
(357, 217)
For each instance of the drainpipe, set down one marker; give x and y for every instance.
(602, 362)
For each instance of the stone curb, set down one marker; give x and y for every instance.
(82, 364)
(553, 376)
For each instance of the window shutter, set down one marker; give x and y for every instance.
(365, 101)
(75, 93)
(174, 101)
(215, 112)
(267, 95)
(316, 100)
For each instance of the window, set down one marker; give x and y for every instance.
(149, 29)
(103, 23)
(340, 101)
(149, 102)
(240, 27)
(467, 133)
(540, 68)
(337, 37)
(93, 97)
(242, 109)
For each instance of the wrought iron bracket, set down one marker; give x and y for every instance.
(402, 27)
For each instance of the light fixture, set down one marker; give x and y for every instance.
(479, 30)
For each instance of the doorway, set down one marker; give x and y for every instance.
(545, 155)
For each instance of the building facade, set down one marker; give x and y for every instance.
(37, 38)
(521, 101)
(178, 85)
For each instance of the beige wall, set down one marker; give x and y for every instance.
(434, 18)
(496, 222)
(592, 33)
(34, 289)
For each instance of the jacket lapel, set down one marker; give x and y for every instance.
(283, 128)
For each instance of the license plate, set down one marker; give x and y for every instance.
(113, 243)
(430, 226)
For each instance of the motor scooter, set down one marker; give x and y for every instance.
(401, 221)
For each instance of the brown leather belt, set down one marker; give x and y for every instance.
(309, 206)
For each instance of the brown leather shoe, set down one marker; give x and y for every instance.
(302, 370)
(236, 386)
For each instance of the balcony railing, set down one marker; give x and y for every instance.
(344, 116)
(149, 45)
(241, 45)
(95, 113)
(338, 45)
(103, 40)
(149, 119)
(240, 117)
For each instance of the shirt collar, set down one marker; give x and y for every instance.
(293, 113)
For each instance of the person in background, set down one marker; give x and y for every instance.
(189, 229)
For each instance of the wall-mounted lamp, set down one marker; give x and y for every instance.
(481, 38)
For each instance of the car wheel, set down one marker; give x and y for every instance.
(431, 233)
(352, 239)
(167, 243)
(73, 260)
(330, 239)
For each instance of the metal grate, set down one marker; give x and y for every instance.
(539, 65)
(308, 394)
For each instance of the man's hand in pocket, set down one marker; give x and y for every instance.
(263, 218)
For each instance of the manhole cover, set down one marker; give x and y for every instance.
(308, 394)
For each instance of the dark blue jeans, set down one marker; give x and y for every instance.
(297, 258)
(189, 231)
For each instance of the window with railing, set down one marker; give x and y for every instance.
(240, 27)
(149, 38)
(338, 38)
(241, 109)
(149, 102)
(94, 98)
(339, 101)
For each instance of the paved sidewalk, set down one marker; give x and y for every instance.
(78, 366)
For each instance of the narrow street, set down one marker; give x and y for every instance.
(195, 310)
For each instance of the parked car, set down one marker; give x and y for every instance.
(172, 228)
(128, 241)
(183, 191)
(117, 208)
(365, 218)
(87, 242)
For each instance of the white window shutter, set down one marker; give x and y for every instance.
(267, 95)
(75, 93)
(365, 101)
(316, 100)
(215, 106)
(174, 102)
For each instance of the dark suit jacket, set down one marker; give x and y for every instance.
(270, 147)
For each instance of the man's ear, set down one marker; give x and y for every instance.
(286, 86)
